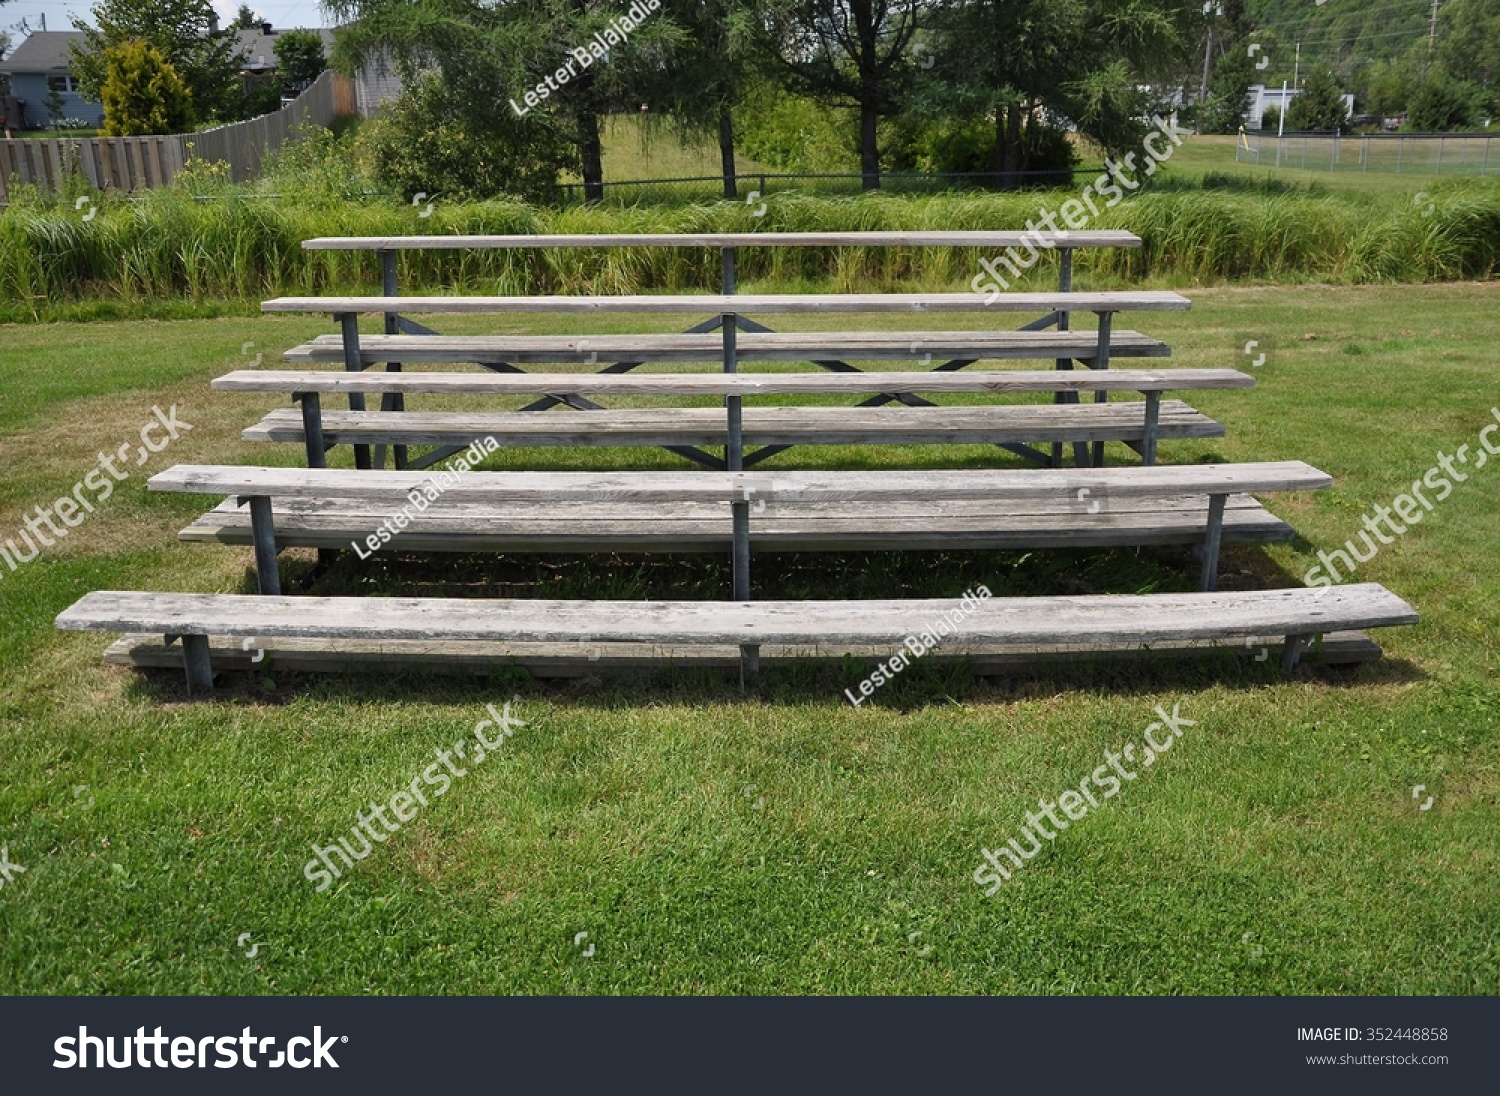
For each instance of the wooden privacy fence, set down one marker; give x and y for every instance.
(134, 163)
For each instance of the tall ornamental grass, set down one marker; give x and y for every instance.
(166, 245)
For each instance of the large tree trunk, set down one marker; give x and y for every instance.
(726, 150)
(869, 147)
(591, 151)
(1007, 159)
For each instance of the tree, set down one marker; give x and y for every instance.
(4, 44)
(247, 18)
(1319, 106)
(1441, 104)
(207, 61)
(142, 92)
(299, 58)
(1084, 62)
(55, 104)
(853, 52)
(1469, 41)
(557, 64)
(711, 72)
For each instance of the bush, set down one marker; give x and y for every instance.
(142, 93)
(1320, 106)
(947, 145)
(434, 140)
(1443, 104)
(1270, 119)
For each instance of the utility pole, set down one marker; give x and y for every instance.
(1296, 66)
(1431, 37)
(1208, 49)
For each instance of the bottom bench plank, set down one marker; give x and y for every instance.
(1100, 619)
(552, 660)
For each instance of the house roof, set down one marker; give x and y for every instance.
(259, 48)
(45, 51)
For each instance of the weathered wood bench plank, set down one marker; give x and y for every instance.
(707, 527)
(761, 425)
(801, 487)
(1092, 619)
(732, 384)
(739, 304)
(571, 660)
(979, 238)
(750, 346)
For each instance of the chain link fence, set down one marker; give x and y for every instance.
(753, 188)
(1397, 153)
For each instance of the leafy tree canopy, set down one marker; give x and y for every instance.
(207, 61)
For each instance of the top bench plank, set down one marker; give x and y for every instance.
(732, 384)
(750, 346)
(708, 303)
(1092, 619)
(997, 239)
(794, 487)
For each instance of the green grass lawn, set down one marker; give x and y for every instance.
(783, 842)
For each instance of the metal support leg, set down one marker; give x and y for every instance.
(349, 325)
(1065, 285)
(1153, 416)
(1101, 361)
(1292, 648)
(1211, 538)
(312, 428)
(728, 257)
(734, 461)
(392, 401)
(263, 532)
(200, 671)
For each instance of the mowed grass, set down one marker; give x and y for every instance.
(782, 842)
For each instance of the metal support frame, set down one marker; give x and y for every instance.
(734, 461)
(349, 328)
(1153, 417)
(312, 428)
(196, 661)
(1065, 285)
(1101, 361)
(1292, 649)
(1212, 537)
(263, 533)
(391, 401)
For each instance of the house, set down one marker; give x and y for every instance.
(257, 47)
(41, 63)
(37, 68)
